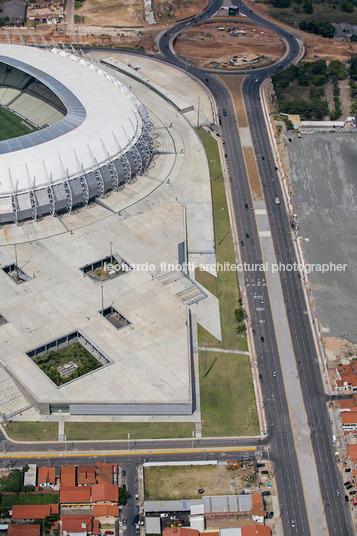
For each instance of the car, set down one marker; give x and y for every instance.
(173, 518)
(255, 294)
(292, 523)
(349, 486)
(227, 168)
(346, 498)
(261, 378)
(263, 157)
(246, 206)
(242, 242)
(290, 140)
(109, 532)
(261, 300)
(274, 374)
(258, 281)
(257, 79)
(247, 235)
(137, 529)
(272, 179)
(164, 515)
(260, 464)
(353, 492)
(253, 331)
(137, 509)
(136, 497)
(266, 493)
(347, 483)
(123, 473)
(141, 522)
(348, 470)
(264, 472)
(271, 515)
(262, 339)
(338, 492)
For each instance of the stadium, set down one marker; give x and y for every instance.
(69, 147)
(78, 338)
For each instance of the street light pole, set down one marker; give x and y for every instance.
(129, 441)
(205, 358)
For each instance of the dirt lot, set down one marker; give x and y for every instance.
(322, 47)
(112, 12)
(183, 482)
(207, 45)
(171, 10)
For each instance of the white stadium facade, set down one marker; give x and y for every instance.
(92, 134)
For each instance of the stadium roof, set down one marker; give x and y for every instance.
(98, 106)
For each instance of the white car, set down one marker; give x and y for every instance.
(164, 515)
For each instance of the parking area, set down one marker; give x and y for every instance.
(322, 171)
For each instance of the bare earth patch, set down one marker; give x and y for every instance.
(206, 44)
(171, 10)
(183, 482)
(112, 12)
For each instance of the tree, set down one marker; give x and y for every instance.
(28, 488)
(337, 70)
(319, 79)
(347, 6)
(123, 496)
(308, 8)
(319, 67)
(12, 482)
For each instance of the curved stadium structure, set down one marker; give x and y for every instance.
(90, 134)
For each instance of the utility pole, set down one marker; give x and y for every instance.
(205, 359)
(129, 441)
(16, 263)
(198, 112)
(193, 438)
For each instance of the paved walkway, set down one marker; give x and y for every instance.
(223, 350)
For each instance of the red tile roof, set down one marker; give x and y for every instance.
(347, 404)
(348, 374)
(104, 492)
(23, 530)
(352, 453)
(349, 417)
(31, 511)
(257, 502)
(181, 531)
(46, 475)
(86, 475)
(74, 494)
(103, 510)
(76, 523)
(68, 475)
(256, 530)
(104, 472)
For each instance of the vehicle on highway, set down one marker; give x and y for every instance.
(258, 281)
(136, 497)
(246, 206)
(224, 112)
(274, 373)
(261, 380)
(123, 473)
(293, 524)
(247, 235)
(277, 201)
(242, 242)
(137, 529)
(338, 492)
(125, 522)
(262, 339)
(261, 300)
(253, 331)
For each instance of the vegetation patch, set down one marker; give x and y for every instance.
(120, 430)
(191, 482)
(225, 286)
(314, 16)
(7, 501)
(227, 395)
(67, 364)
(300, 89)
(32, 431)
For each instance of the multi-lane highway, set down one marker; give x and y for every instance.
(282, 442)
